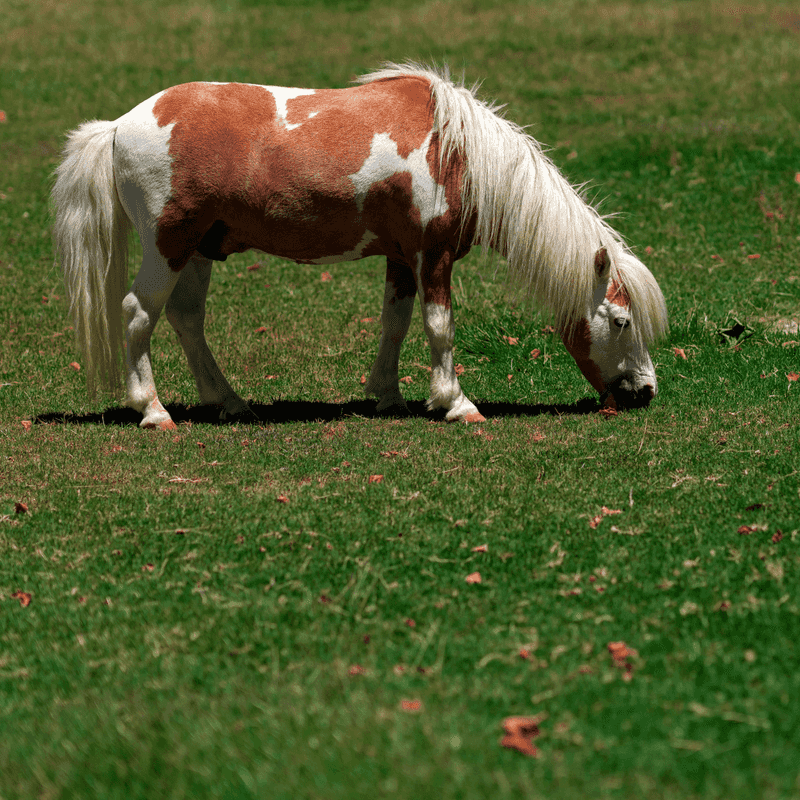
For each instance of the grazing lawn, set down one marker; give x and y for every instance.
(332, 604)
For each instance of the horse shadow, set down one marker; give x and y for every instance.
(288, 411)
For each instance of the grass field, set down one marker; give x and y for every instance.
(248, 611)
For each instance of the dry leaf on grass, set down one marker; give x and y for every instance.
(411, 705)
(262, 329)
(519, 734)
(325, 277)
(622, 654)
(792, 376)
(75, 365)
(473, 577)
(27, 424)
(23, 597)
(20, 508)
(511, 339)
(680, 352)
(375, 478)
(282, 498)
(481, 548)
(604, 512)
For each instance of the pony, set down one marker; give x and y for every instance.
(405, 164)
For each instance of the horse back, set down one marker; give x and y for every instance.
(311, 175)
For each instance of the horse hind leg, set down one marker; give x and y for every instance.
(186, 311)
(434, 290)
(141, 309)
(398, 306)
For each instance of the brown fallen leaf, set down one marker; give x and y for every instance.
(23, 597)
(481, 548)
(262, 329)
(282, 498)
(356, 669)
(793, 376)
(519, 735)
(622, 654)
(459, 368)
(75, 365)
(254, 267)
(411, 705)
(375, 479)
(27, 424)
(536, 352)
(325, 277)
(363, 379)
(680, 352)
(473, 577)
(20, 508)
(407, 379)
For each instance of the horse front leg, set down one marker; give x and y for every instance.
(433, 280)
(398, 306)
(186, 312)
(141, 309)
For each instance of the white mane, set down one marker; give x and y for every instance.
(529, 212)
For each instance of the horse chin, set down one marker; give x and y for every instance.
(627, 394)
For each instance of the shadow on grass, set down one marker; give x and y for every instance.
(284, 411)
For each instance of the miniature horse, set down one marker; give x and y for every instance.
(406, 164)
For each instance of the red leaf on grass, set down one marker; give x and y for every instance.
(680, 352)
(511, 339)
(254, 267)
(262, 329)
(282, 498)
(473, 577)
(792, 376)
(325, 277)
(776, 537)
(3, 117)
(20, 508)
(459, 368)
(481, 548)
(375, 478)
(356, 669)
(519, 734)
(622, 654)
(363, 379)
(536, 352)
(75, 365)
(23, 597)
(408, 379)
(754, 256)
(27, 424)
(411, 705)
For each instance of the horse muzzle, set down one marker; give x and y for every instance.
(628, 393)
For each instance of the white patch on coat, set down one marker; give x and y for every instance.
(384, 160)
(143, 164)
(283, 95)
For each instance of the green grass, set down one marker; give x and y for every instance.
(241, 611)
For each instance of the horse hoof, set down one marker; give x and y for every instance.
(164, 425)
(475, 416)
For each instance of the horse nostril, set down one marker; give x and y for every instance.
(626, 396)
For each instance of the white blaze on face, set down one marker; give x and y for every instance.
(384, 161)
(614, 349)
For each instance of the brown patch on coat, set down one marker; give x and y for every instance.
(578, 342)
(242, 179)
(618, 294)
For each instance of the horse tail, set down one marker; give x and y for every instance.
(91, 238)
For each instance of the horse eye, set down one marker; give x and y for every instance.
(622, 323)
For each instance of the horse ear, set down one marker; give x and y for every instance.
(602, 263)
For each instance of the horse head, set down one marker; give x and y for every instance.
(609, 344)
